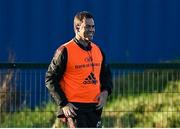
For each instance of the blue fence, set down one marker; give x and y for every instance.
(127, 30)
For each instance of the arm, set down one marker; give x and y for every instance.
(54, 74)
(106, 84)
(105, 77)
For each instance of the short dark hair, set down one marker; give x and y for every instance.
(84, 14)
(80, 16)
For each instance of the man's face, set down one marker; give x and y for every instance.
(87, 29)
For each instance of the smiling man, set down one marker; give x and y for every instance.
(77, 77)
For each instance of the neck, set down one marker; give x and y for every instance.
(85, 43)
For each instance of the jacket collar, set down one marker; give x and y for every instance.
(87, 48)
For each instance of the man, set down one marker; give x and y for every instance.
(77, 77)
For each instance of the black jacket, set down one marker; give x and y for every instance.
(57, 68)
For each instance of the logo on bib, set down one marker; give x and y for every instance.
(90, 79)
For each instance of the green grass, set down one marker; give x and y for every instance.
(26, 118)
(157, 109)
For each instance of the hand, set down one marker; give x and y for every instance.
(71, 123)
(68, 110)
(102, 98)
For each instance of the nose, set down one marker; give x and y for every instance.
(92, 29)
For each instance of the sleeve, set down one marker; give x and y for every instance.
(105, 76)
(54, 74)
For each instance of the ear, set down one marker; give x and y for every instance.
(77, 27)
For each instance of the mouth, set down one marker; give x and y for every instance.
(90, 34)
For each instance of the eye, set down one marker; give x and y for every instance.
(90, 26)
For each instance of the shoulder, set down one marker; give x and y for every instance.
(69, 43)
(62, 50)
(95, 45)
(98, 47)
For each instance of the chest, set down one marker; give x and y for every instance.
(79, 60)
